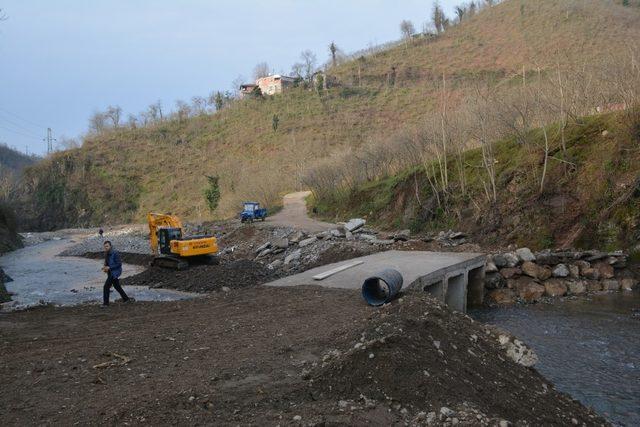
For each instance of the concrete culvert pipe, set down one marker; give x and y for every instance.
(382, 287)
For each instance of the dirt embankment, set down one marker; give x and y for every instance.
(268, 356)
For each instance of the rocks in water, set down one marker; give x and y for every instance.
(517, 351)
(610, 285)
(530, 291)
(502, 296)
(627, 284)
(555, 288)
(560, 270)
(578, 287)
(525, 255)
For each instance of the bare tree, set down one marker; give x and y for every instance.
(98, 122)
(113, 114)
(439, 19)
(154, 112)
(235, 85)
(199, 105)
(3, 16)
(183, 111)
(407, 29)
(260, 70)
(461, 12)
(309, 61)
(66, 143)
(132, 121)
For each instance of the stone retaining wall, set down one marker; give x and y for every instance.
(522, 276)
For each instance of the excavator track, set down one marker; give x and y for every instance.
(170, 262)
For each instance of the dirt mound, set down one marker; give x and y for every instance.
(418, 357)
(126, 257)
(204, 278)
(340, 252)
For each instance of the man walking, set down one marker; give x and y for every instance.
(113, 268)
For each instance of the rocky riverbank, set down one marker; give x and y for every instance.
(523, 276)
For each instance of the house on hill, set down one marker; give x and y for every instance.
(271, 85)
(248, 90)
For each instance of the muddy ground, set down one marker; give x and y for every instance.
(267, 356)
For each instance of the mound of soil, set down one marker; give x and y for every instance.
(204, 278)
(126, 257)
(417, 356)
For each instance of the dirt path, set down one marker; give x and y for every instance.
(265, 356)
(294, 214)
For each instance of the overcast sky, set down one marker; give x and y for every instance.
(62, 60)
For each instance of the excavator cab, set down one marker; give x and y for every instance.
(165, 236)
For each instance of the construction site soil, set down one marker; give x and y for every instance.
(268, 356)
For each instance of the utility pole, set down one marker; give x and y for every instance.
(50, 140)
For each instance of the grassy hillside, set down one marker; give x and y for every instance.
(121, 174)
(590, 200)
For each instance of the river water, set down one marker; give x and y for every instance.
(41, 276)
(589, 348)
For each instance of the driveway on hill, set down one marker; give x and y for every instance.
(294, 214)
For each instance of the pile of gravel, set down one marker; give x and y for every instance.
(130, 243)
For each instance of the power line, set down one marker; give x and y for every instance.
(19, 126)
(20, 133)
(22, 118)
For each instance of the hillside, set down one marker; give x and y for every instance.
(121, 174)
(12, 163)
(593, 202)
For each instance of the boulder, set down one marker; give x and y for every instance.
(494, 281)
(502, 296)
(264, 253)
(510, 273)
(544, 273)
(338, 232)
(531, 269)
(490, 267)
(500, 261)
(275, 264)
(530, 291)
(297, 236)
(402, 235)
(604, 269)
(512, 259)
(554, 288)
(280, 243)
(354, 223)
(582, 265)
(574, 271)
(627, 284)
(263, 247)
(547, 258)
(578, 287)
(590, 273)
(364, 236)
(525, 255)
(306, 242)
(560, 270)
(610, 285)
(381, 242)
(593, 286)
(293, 256)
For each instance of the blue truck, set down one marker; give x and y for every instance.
(252, 212)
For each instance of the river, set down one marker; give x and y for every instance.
(41, 276)
(589, 348)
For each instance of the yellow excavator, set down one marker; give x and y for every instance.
(172, 249)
